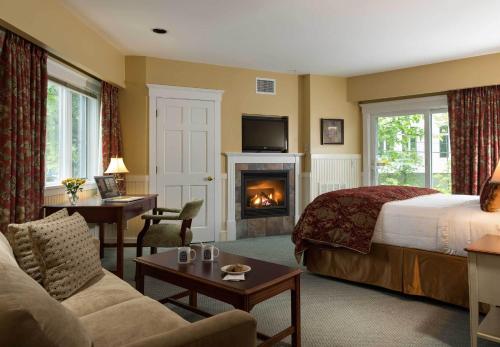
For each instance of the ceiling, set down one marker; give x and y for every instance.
(331, 37)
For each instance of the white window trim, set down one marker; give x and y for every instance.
(387, 108)
(77, 79)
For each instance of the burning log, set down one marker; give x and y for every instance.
(262, 200)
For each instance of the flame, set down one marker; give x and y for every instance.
(265, 194)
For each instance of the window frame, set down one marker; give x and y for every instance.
(71, 82)
(371, 111)
(446, 142)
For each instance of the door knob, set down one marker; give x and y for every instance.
(210, 178)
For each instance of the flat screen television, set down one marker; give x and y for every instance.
(264, 133)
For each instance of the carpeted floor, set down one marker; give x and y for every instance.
(334, 313)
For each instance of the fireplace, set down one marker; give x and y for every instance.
(264, 193)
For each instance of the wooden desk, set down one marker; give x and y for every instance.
(484, 286)
(94, 210)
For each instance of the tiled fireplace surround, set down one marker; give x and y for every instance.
(243, 228)
(268, 225)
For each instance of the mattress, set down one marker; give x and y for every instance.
(437, 222)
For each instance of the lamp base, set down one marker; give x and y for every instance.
(119, 184)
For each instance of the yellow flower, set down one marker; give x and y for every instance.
(73, 185)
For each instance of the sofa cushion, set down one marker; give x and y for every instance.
(101, 292)
(20, 241)
(30, 317)
(6, 254)
(66, 253)
(130, 321)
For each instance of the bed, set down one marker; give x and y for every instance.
(416, 244)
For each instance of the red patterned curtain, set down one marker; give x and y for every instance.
(474, 135)
(23, 101)
(111, 130)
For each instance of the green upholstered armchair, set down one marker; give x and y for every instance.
(155, 234)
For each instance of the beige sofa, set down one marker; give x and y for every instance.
(106, 312)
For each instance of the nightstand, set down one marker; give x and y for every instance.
(484, 286)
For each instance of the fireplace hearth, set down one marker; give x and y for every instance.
(264, 193)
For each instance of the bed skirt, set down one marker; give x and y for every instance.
(411, 271)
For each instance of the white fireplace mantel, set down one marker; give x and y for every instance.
(234, 158)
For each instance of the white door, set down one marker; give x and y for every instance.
(185, 157)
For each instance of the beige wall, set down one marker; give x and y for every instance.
(133, 102)
(427, 79)
(304, 99)
(328, 99)
(62, 33)
(239, 97)
(305, 118)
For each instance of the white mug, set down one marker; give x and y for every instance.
(209, 252)
(185, 255)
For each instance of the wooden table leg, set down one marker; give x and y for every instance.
(295, 296)
(139, 278)
(120, 225)
(101, 240)
(193, 298)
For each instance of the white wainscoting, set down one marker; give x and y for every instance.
(223, 231)
(137, 184)
(333, 172)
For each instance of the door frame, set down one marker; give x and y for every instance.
(172, 92)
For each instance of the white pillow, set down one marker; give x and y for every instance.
(6, 254)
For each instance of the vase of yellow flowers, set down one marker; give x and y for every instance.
(73, 186)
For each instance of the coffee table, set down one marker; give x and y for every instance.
(264, 281)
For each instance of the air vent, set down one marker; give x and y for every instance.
(265, 86)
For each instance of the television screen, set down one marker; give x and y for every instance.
(264, 133)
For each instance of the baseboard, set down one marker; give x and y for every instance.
(223, 235)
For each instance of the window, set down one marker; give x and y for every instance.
(444, 141)
(419, 132)
(72, 130)
(403, 164)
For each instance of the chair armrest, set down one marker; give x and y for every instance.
(228, 329)
(160, 217)
(171, 210)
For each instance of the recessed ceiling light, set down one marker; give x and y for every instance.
(160, 31)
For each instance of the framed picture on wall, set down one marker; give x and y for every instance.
(332, 131)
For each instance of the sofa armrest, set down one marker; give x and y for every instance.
(232, 328)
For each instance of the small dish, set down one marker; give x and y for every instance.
(226, 268)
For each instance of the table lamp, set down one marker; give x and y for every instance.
(116, 166)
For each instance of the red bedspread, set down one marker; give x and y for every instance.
(346, 218)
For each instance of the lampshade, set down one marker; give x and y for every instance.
(116, 166)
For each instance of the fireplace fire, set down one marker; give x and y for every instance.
(265, 193)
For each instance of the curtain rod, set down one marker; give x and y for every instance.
(51, 53)
(402, 97)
